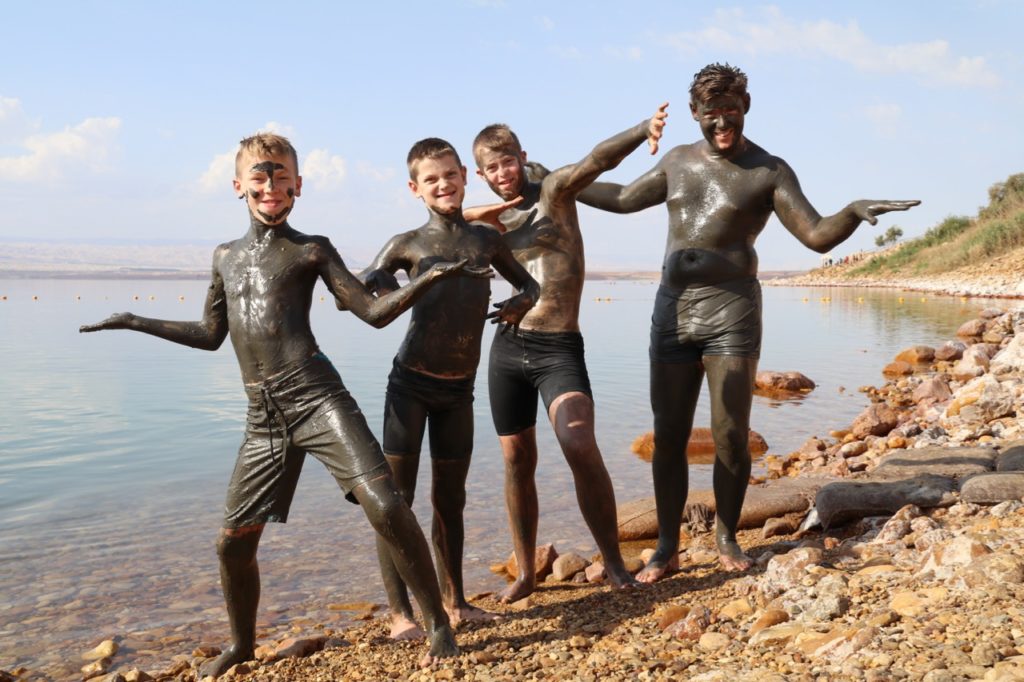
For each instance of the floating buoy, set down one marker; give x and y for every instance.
(35, 298)
(860, 299)
(3, 298)
(321, 299)
(152, 297)
(78, 297)
(135, 297)
(806, 299)
(181, 298)
(899, 300)
(924, 300)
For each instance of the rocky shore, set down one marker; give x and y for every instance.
(998, 277)
(893, 549)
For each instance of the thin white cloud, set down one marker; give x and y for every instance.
(219, 174)
(366, 169)
(323, 169)
(87, 145)
(769, 31)
(15, 125)
(546, 23)
(631, 53)
(562, 52)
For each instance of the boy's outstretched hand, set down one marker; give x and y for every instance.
(489, 213)
(115, 321)
(867, 209)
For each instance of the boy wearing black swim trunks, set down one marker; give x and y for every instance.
(431, 383)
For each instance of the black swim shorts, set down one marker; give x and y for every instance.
(527, 363)
(303, 410)
(719, 319)
(415, 400)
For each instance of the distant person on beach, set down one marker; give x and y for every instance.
(720, 192)
(431, 382)
(260, 294)
(545, 355)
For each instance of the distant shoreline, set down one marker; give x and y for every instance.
(171, 274)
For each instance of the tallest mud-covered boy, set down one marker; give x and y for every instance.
(260, 294)
(720, 192)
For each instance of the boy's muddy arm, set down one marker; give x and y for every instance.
(206, 334)
(650, 189)
(609, 154)
(351, 294)
(379, 276)
(822, 234)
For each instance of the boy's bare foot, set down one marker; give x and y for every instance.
(732, 557)
(658, 567)
(405, 629)
(621, 579)
(231, 656)
(470, 614)
(519, 589)
(442, 645)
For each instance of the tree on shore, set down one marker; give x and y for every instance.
(891, 236)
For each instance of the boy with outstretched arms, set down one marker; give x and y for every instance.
(260, 295)
(720, 192)
(431, 383)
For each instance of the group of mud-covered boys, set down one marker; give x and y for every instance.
(719, 191)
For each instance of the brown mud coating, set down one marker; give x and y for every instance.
(443, 341)
(543, 233)
(719, 192)
(260, 295)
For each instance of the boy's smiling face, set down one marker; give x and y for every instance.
(441, 183)
(269, 184)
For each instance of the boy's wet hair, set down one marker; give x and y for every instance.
(717, 79)
(496, 137)
(429, 148)
(266, 144)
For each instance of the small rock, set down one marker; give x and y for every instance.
(105, 649)
(713, 641)
(568, 565)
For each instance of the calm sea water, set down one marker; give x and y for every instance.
(116, 447)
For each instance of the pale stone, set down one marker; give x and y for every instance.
(713, 641)
(778, 634)
(737, 609)
(768, 619)
(105, 649)
(568, 565)
(913, 604)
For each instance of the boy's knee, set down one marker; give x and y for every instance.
(237, 545)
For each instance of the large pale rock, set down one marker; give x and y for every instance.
(897, 527)
(993, 488)
(692, 625)
(877, 420)
(840, 502)
(997, 568)
(943, 561)
(778, 634)
(980, 401)
(1010, 359)
(898, 368)
(638, 519)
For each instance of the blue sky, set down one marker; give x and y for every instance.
(119, 120)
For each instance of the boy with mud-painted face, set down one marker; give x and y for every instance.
(260, 295)
(432, 380)
(720, 192)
